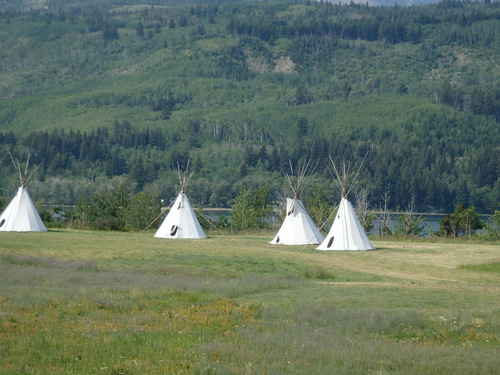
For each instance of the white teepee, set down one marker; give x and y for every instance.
(298, 228)
(181, 221)
(21, 214)
(346, 233)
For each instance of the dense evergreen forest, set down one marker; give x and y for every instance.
(125, 93)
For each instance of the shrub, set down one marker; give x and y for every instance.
(463, 222)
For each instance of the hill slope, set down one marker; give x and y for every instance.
(240, 89)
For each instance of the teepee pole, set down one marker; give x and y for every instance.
(355, 180)
(184, 178)
(35, 168)
(16, 165)
(213, 225)
(319, 229)
(302, 177)
(343, 180)
(161, 213)
(24, 177)
(314, 221)
(27, 164)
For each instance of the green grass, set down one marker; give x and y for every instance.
(486, 267)
(81, 302)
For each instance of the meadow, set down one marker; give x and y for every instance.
(84, 302)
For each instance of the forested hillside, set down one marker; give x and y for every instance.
(125, 93)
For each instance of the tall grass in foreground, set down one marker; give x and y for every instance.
(239, 307)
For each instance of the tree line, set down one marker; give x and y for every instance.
(117, 208)
(438, 167)
(387, 24)
(184, 73)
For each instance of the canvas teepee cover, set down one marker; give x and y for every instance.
(21, 214)
(298, 227)
(346, 233)
(181, 221)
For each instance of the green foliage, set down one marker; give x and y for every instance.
(408, 223)
(366, 221)
(3, 204)
(205, 222)
(492, 228)
(117, 209)
(44, 212)
(463, 222)
(250, 208)
(141, 211)
(109, 90)
(318, 205)
(223, 222)
(364, 214)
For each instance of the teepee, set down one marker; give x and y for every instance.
(346, 233)
(298, 228)
(21, 214)
(181, 221)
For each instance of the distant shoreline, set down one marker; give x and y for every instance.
(230, 209)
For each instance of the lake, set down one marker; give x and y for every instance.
(431, 221)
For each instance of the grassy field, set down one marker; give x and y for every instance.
(78, 302)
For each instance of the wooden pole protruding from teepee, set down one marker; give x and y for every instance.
(298, 227)
(161, 213)
(298, 181)
(321, 227)
(26, 176)
(213, 225)
(344, 180)
(185, 177)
